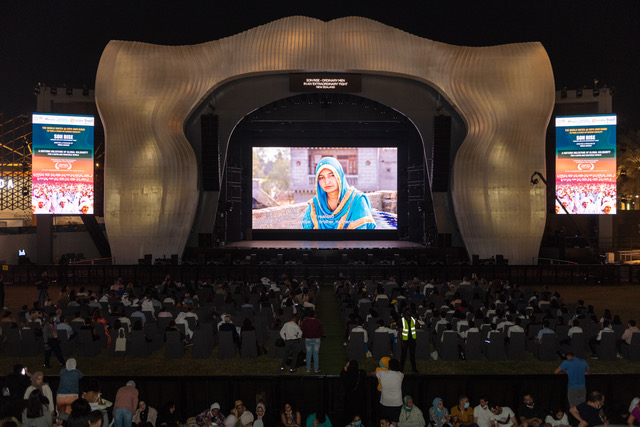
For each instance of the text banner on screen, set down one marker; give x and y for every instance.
(325, 82)
(62, 158)
(586, 164)
(325, 188)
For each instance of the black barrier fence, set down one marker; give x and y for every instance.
(311, 393)
(552, 275)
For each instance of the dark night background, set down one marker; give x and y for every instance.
(58, 42)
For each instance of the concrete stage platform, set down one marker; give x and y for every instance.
(324, 244)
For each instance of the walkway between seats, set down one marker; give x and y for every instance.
(332, 352)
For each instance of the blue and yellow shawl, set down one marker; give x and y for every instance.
(353, 211)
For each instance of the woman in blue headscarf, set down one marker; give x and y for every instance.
(336, 206)
(439, 414)
(410, 414)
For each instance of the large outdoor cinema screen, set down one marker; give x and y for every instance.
(326, 188)
(62, 172)
(586, 164)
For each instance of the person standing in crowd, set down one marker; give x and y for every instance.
(69, 387)
(125, 405)
(576, 369)
(312, 332)
(291, 334)
(408, 330)
(51, 342)
(353, 382)
(391, 394)
(43, 288)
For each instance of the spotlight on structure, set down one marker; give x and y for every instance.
(579, 93)
(53, 90)
(36, 89)
(563, 92)
(85, 90)
(68, 89)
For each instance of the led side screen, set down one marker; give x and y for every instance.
(62, 170)
(586, 164)
(328, 188)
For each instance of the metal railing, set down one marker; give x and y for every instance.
(552, 275)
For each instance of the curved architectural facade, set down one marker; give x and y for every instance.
(145, 94)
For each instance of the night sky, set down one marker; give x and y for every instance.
(58, 42)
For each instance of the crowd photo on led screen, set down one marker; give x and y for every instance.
(67, 198)
(586, 198)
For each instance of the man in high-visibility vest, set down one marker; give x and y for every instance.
(408, 327)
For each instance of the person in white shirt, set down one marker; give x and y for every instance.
(515, 327)
(472, 328)
(292, 335)
(558, 419)
(391, 391)
(482, 414)
(360, 328)
(502, 416)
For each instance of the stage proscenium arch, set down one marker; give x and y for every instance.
(145, 93)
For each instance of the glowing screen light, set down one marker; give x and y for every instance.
(327, 188)
(586, 164)
(62, 171)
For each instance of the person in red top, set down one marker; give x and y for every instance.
(125, 405)
(312, 332)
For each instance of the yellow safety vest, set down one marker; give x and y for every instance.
(405, 329)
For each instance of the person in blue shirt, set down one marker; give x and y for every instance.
(337, 205)
(576, 370)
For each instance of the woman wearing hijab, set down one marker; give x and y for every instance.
(354, 383)
(263, 419)
(439, 414)
(37, 383)
(337, 205)
(209, 417)
(69, 387)
(410, 415)
(145, 414)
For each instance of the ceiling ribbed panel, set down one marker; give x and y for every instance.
(146, 92)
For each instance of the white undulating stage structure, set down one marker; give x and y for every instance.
(145, 93)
